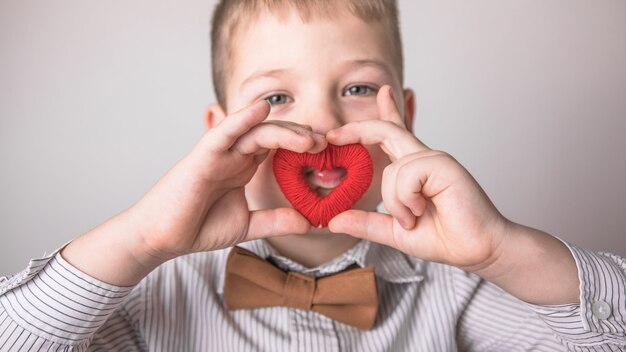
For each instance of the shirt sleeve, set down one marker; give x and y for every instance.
(53, 306)
(599, 321)
(490, 319)
(493, 320)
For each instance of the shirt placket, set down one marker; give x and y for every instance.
(310, 331)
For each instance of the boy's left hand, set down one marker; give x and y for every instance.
(438, 212)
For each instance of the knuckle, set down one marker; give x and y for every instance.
(388, 172)
(406, 173)
(394, 205)
(406, 197)
(443, 155)
(386, 124)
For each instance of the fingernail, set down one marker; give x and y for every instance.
(391, 92)
(259, 105)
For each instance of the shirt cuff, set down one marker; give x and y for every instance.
(54, 300)
(601, 315)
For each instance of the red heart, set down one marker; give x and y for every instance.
(289, 170)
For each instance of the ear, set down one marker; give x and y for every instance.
(214, 114)
(409, 108)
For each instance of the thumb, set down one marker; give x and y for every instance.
(276, 222)
(387, 108)
(375, 227)
(233, 126)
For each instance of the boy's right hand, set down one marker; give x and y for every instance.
(199, 205)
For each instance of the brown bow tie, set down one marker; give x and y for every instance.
(349, 297)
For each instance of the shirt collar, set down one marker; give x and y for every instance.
(389, 264)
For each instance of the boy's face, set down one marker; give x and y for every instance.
(324, 73)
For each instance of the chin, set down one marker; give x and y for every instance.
(321, 232)
(316, 236)
(318, 233)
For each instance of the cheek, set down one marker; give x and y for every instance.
(361, 111)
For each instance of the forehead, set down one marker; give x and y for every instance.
(312, 47)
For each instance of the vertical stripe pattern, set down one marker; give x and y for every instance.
(424, 306)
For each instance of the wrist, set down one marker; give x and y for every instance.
(534, 267)
(141, 245)
(111, 253)
(501, 262)
(166, 221)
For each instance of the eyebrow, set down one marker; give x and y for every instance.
(263, 74)
(274, 73)
(369, 62)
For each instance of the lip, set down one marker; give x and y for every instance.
(321, 180)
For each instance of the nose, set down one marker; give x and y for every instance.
(322, 115)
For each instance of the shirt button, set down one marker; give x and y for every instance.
(601, 310)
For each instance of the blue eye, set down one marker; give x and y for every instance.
(278, 99)
(358, 89)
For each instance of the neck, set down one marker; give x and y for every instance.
(313, 249)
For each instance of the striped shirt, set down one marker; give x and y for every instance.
(424, 306)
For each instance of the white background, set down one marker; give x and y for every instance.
(99, 99)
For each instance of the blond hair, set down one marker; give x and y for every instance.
(230, 15)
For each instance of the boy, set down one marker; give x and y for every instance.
(298, 75)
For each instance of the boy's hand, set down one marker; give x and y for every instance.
(199, 205)
(438, 212)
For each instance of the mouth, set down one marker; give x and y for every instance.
(324, 181)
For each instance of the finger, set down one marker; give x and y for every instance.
(393, 204)
(364, 132)
(394, 140)
(370, 226)
(224, 135)
(387, 108)
(428, 174)
(320, 143)
(276, 222)
(292, 124)
(306, 127)
(413, 200)
(274, 135)
(410, 177)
